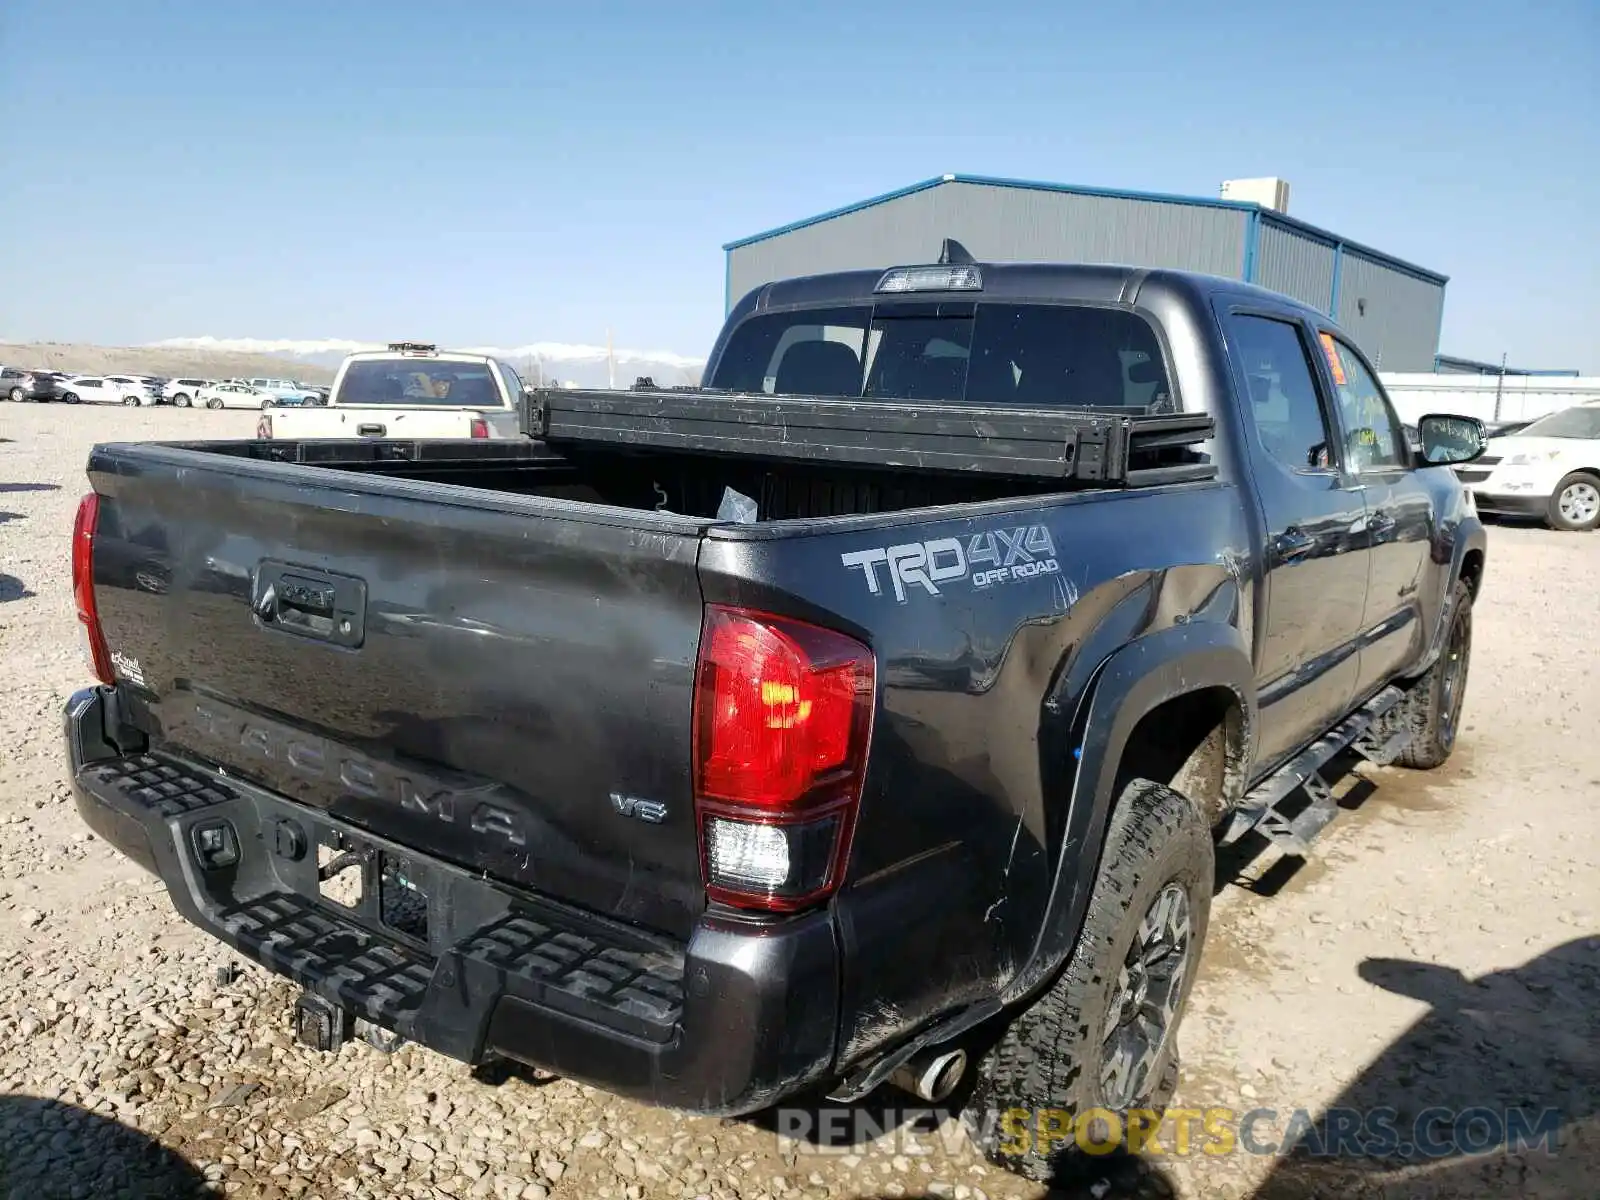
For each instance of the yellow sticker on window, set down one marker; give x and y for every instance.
(1335, 363)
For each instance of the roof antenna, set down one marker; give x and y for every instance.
(953, 253)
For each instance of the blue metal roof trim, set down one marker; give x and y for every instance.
(1479, 367)
(1334, 240)
(1293, 223)
(897, 194)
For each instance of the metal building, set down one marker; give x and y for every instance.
(1392, 308)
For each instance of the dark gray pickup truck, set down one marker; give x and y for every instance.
(1032, 582)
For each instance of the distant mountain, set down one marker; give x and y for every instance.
(167, 361)
(579, 365)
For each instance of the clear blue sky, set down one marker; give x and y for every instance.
(500, 173)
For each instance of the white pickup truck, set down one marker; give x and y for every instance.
(410, 390)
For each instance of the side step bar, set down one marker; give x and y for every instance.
(1293, 834)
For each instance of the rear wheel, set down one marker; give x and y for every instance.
(16, 395)
(181, 399)
(130, 401)
(213, 403)
(1576, 502)
(1100, 1044)
(71, 397)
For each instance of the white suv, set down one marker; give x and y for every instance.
(107, 389)
(185, 392)
(285, 390)
(1550, 468)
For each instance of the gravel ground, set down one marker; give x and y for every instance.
(1442, 949)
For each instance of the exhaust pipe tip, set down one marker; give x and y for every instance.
(931, 1076)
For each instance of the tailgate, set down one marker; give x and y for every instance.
(336, 422)
(502, 681)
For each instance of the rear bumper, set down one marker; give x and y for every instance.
(742, 1015)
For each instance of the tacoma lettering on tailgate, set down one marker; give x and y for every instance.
(223, 731)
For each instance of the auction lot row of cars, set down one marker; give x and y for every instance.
(20, 384)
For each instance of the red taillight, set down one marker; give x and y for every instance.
(479, 428)
(783, 715)
(83, 530)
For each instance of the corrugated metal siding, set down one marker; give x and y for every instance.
(1399, 329)
(1288, 261)
(1001, 224)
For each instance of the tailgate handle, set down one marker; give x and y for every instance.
(371, 429)
(311, 603)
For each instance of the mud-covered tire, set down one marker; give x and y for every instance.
(1432, 707)
(1051, 1061)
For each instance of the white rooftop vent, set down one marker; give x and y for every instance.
(1270, 192)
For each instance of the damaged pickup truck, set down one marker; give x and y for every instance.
(1032, 583)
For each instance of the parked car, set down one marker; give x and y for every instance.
(107, 389)
(411, 390)
(1549, 469)
(233, 394)
(285, 391)
(905, 767)
(1506, 428)
(18, 384)
(184, 392)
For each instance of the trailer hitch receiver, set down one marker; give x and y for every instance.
(321, 1024)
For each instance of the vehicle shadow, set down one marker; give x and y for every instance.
(50, 1149)
(30, 487)
(9, 516)
(1494, 1091)
(12, 588)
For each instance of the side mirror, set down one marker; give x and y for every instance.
(1448, 439)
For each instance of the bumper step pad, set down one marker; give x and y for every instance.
(372, 976)
(580, 965)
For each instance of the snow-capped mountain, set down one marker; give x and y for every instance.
(585, 366)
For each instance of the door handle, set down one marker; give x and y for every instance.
(1293, 543)
(311, 603)
(371, 430)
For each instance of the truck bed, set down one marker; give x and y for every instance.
(800, 471)
(687, 485)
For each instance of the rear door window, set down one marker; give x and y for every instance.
(1284, 405)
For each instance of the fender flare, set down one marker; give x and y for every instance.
(1470, 536)
(1130, 683)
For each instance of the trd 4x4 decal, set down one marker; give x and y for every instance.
(984, 560)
